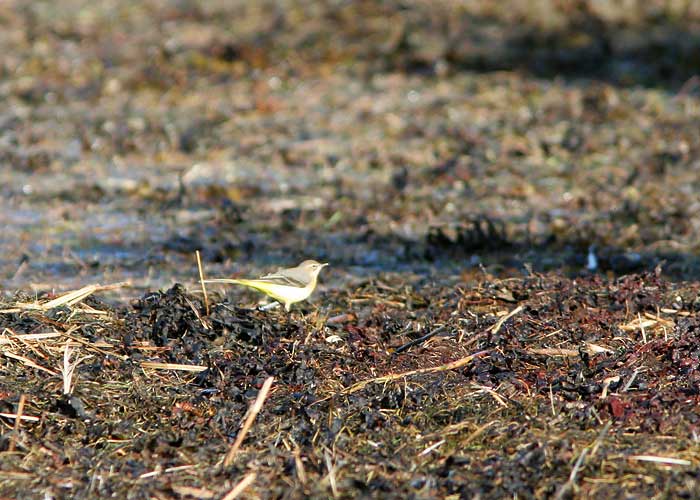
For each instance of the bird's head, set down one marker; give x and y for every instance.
(313, 267)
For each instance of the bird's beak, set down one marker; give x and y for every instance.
(324, 265)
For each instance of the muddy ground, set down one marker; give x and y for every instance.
(508, 199)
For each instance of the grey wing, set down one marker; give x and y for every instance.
(284, 279)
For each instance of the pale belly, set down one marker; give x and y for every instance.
(281, 293)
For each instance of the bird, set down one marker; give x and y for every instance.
(286, 286)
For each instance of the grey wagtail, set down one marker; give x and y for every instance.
(286, 286)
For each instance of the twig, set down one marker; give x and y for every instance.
(202, 320)
(631, 380)
(331, 473)
(183, 491)
(599, 440)
(68, 298)
(201, 282)
(26, 418)
(593, 449)
(660, 460)
(477, 432)
(155, 473)
(76, 296)
(606, 385)
(28, 336)
(432, 447)
(90, 345)
(28, 362)
(553, 351)
(455, 428)
(68, 368)
(18, 421)
(21, 339)
(299, 464)
(242, 485)
(24, 263)
(420, 340)
(495, 328)
(395, 376)
(252, 413)
(154, 365)
(551, 401)
(572, 477)
(267, 307)
(499, 399)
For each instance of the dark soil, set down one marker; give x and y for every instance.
(507, 196)
(571, 381)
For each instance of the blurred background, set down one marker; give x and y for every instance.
(437, 140)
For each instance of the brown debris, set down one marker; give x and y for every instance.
(345, 415)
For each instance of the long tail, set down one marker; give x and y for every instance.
(249, 283)
(225, 280)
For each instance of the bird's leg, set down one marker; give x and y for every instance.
(269, 306)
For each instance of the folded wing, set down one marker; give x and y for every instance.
(283, 279)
